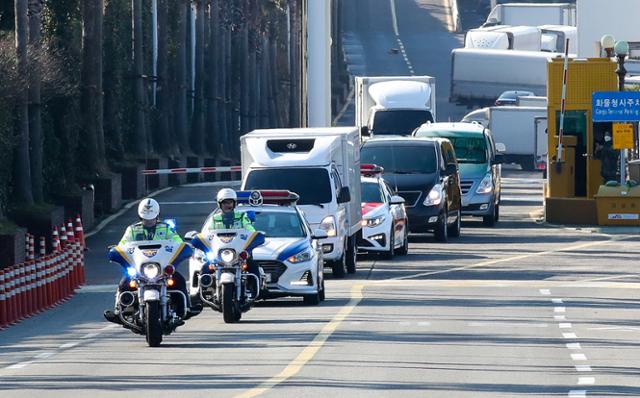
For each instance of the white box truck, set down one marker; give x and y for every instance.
(394, 105)
(554, 38)
(523, 131)
(532, 14)
(322, 165)
(615, 17)
(479, 76)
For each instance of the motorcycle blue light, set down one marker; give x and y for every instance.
(131, 272)
(211, 256)
(171, 223)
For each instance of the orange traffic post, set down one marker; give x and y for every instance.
(80, 233)
(3, 302)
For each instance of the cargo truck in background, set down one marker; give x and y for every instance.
(523, 132)
(394, 105)
(504, 37)
(479, 76)
(531, 14)
(321, 165)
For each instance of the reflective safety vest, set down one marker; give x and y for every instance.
(137, 231)
(240, 221)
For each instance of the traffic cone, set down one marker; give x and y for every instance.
(9, 291)
(3, 302)
(32, 247)
(55, 240)
(48, 286)
(63, 236)
(70, 236)
(80, 233)
(40, 284)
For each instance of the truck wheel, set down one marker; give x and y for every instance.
(338, 267)
(352, 254)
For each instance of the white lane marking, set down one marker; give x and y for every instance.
(556, 301)
(577, 393)
(560, 317)
(44, 355)
(586, 381)
(19, 365)
(578, 357)
(510, 324)
(109, 327)
(447, 5)
(583, 368)
(68, 345)
(424, 323)
(618, 328)
(89, 336)
(97, 289)
(394, 17)
(573, 346)
(564, 325)
(394, 22)
(545, 292)
(347, 102)
(560, 309)
(569, 335)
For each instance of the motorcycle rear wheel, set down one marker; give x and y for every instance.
(153, 324)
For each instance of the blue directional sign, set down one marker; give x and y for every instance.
(616, 106)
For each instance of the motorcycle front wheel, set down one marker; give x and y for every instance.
(228, 307)
(153, 323)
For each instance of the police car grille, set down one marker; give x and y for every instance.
(275, 268)
(465, 186)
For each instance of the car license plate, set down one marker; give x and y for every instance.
(268, 278)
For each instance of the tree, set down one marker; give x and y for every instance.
(181, 122)
(162, 141)
(140, 129)
(22, 165)
(35, 101)
(197, 130)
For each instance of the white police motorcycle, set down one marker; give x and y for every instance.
(223, 279)
(150, 306)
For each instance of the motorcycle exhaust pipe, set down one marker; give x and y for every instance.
(206, 281)
(126, 299)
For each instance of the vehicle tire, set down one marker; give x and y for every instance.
(312, 299)
(454, 230)
(338, 267)
(388, 255)
(404, 250)
(322, 295)
(442, 228)
(491, 219)
(228, 307)
(352, 255)
(153, 323)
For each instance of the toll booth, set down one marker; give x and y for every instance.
(574, 180)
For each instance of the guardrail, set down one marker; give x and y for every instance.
(43, 282)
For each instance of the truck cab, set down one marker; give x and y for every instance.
(322, 165)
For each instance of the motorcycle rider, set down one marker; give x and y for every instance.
(149, 228)
(227, 217)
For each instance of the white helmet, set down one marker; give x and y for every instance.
(148, 209)
(226, 194)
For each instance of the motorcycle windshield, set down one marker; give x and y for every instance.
(118, 255)
(236, 239)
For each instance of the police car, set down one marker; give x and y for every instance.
(384, 219)
(291, 256)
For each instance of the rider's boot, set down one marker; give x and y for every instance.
(112, 316)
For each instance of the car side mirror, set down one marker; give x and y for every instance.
(364, 131)
(396, 200)
(498, 159)
(190, 235)
(319, 234)
(500, 147)
(451, 169)
(344, 196)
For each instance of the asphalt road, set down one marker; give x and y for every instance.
(522, 309)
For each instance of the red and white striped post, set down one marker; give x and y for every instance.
(563, 99)
(188, 170)
(3, 302)
(12, 309)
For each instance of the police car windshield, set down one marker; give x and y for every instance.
(312, 184)
(279, 224)
(371, 192)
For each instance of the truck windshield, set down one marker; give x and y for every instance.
(419, 159)
(399, 122)
(312, 184)
(278, 224)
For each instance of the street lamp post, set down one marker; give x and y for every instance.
(621, 49)
(607, 42)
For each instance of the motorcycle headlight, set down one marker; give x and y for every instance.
(486, 185)
(151, 270)
(434, 197)
(328, 224)
(227, 255)
(373, 222)
(301, 257)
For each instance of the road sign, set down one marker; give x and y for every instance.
(615, 106)
(622, 136)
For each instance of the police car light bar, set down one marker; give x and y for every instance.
(273, 197)
(371, 169)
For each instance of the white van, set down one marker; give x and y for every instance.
(322, 165)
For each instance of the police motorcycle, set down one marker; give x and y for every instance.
(150, 306)
(224, 279)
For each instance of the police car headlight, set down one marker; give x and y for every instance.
(373, 222)
(227, 255)
(486, 185)
(434, 197)
(151, 270)
(301, 257)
